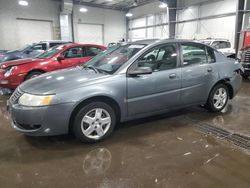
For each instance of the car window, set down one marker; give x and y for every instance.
(160, 58)
(76, 52)
(221, 44)
(193, 54)
(54, 44)
(210, 55)
(39, 47)
(92, 51)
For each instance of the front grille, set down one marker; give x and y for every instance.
(246, 59)
(15, 96)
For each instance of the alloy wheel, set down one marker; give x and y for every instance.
(96, 123)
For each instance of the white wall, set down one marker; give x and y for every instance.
(223, 27)
(114, 22)
(37, 9)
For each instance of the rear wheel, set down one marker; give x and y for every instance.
(245, 76)
(94, 122)
(218, 98)
(33, 75)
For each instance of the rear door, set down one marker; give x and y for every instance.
(196, 73)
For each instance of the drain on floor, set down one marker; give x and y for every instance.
(239, 140)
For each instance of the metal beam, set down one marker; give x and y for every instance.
(239, 21)
(208, 17)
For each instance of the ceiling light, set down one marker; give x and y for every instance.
(83, 10)
(129, 14)
(163, 5)
(23, 3)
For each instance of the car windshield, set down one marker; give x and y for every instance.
(25, 47)
(50, 52)
(112, 59)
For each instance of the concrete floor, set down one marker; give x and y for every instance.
(163, 151)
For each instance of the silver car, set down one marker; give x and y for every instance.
(131, 81)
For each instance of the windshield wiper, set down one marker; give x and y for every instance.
(92, 68)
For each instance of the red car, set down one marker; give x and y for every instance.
(13, 73)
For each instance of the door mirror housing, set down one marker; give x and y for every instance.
(141, 71)
(60, 58)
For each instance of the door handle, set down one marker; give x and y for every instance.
(172, 76)
(209, 69)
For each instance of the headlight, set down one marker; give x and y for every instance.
(35, 100)
(9, 71)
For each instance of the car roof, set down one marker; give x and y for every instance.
(57, 41)
(161, 41)
(75, 45)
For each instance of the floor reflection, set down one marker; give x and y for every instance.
(97, 161)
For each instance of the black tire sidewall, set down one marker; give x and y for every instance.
(81, 113)
(210, 103)
(29, 76)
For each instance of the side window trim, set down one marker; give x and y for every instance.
(207, 54)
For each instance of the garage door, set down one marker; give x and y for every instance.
(31, 31)
(90, 33)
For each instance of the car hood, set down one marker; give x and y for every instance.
(19, 62)
(61, 81)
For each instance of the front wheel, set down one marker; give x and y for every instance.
(218, 98)
(33, 75)
(94, 122)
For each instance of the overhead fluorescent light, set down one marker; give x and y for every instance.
(83, 9)
(23, 3)
(129, 14)
(163, 5)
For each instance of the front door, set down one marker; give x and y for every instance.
(159, 90)
(73, 57)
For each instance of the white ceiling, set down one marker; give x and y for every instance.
(113, 4)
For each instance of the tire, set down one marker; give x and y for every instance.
(94, 122)
(33, 75)
(220, 91)
(245, 76)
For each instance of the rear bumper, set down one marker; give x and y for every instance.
(41, 121)
(235, 82)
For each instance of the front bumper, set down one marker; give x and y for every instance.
(41, 121)
(246, 68)
(11, 82)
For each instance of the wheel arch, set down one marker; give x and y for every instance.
(226, 83)
(34, 70)
(101, 98)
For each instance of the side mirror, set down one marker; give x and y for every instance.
(60, 58)
(141, 71)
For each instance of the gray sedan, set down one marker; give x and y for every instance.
(131, 81)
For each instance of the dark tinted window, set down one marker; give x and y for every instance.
(76, 52)
(193, 54)
(54, 44)
(210, 55)
(160, 58)
(92, 51)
